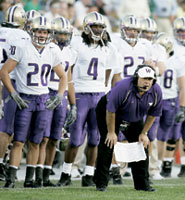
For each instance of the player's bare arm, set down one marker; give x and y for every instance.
(4, 74)
(63, 79)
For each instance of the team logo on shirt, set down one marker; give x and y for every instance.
(150, 103)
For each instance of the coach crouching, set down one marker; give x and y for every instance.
(124, 108)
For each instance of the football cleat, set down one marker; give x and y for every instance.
(9, 184)
(65, 180)
(48, 183)
(116, 176)
(166, 169)
(2, 172)
(182, 171)
(87, 181)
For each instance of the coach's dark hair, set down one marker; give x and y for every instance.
(135, 76)
(87, 40)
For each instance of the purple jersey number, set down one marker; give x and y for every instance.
(5, 57)
(168, 77)
(130, 64)
(53, 77)
(66, 66)
(45, 69)
(93, 67)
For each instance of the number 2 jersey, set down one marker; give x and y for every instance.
(67, 56)
(34, 67)
(91, 64)
(131, 56)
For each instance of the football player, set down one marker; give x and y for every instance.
(179, 44)
(132, 50)
(173, 88)
(10, 32)
(56, 118)
(32, 61)
(159, 56)
(93, 58)
(30, 15)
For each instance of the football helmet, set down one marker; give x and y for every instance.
(62, 31)
(164, 40)
(15, 16)
(148, 28)
(40, 23)
(30, 15)
(94, 18)
(130, 22)
(179, 30)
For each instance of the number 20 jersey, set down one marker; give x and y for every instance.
(34, 67)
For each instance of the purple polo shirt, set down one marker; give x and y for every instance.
(125, 101)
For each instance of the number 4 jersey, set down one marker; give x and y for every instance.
(91, 64)
(33, 67)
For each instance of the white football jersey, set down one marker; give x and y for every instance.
(179, 49)
(8, 36)
(68, 57)
(175, 68)
(91, 64)
(131, 56)
(33, 68)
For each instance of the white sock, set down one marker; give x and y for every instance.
(113, 165)
(168, 159)
(47, 166)
(66, 168)
(1, 160)
(28, 165)
(15, 167)
(89, 170)
(183, 160)
(40, 165)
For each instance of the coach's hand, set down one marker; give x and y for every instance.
(21, 103)
(144, 138)
(111, 139)
(54, 101)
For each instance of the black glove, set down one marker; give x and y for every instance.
(180, 117)
(21, 103)
(71, 116)
(54, 101)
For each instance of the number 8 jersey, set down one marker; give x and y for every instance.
(175, 68)
(33, 66)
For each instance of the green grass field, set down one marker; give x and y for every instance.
(169, 189)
